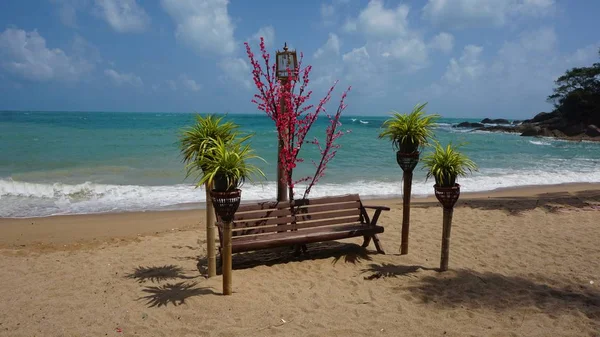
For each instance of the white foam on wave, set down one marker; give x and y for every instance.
(22, 199)
(363, 122)
(539, 142)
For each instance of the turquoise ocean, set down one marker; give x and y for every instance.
(88, 162)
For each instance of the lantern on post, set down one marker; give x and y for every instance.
(286, 60)
(286, 66)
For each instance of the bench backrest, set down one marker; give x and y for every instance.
(270, 217)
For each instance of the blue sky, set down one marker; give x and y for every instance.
(467, 58)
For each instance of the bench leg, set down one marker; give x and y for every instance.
(378, 245)
(367, 241)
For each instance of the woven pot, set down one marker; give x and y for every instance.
(226, 203)
(447, 196)
(407, 161)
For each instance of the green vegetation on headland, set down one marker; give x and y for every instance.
(576, 115)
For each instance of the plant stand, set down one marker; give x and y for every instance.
(447, 196)
(226, 204)
(408, 162)
(210, 235)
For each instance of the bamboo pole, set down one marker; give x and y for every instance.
(226, 257)
(406, 211)
(210, 234)
(446, 238)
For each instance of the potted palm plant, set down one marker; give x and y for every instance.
(408, 134)
(226, 167)
(445, 165)
(194, 143)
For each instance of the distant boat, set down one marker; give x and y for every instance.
(363, 122)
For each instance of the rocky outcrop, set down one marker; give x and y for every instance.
(495, 121)
(468, 125)
(547, 124)
(501, 128)
(592, 131)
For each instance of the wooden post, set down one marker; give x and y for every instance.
(210, 234)
(446, 238)
(408, 175)
(226, 257)
(282, 192)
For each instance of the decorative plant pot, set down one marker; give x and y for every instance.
(407, 161)
(447, 196)
(226, 203)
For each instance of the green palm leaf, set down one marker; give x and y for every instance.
(445, 164)
(409, 132)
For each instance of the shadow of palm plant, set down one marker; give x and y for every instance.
(157, 274)
(339, 251)
(551, 202)
(499, 292)
(175, 294)
(390, 270)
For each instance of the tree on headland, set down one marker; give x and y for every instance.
(577, 94)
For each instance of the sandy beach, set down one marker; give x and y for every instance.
(523, 262)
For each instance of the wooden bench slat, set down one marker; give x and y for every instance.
(302, 237)
(240, 225)
(255, 215)
(261, 214)
(252, 231)
(286, 204)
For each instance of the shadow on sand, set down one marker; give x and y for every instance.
(551, 202)
(474, 290)
(174, 293)
(339, 251)
(391, 270)
(158, 274)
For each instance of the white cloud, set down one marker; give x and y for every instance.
(236, 70)
(123, 78)
(188, 83)
(514, 81)
(584, 56)
(468, 13)
(123, 15)
(409, 52)
(25, 54)
(468, 66)
(184, 82)
(443, 41)
(331, 47)
(379, 21)
(267, 33)
(203, 25)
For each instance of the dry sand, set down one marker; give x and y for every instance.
(521, 261)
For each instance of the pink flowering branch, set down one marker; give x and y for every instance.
(285, 103)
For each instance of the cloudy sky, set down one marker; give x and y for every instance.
(467, 58)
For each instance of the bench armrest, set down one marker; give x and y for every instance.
(373, 221)
(383, 208)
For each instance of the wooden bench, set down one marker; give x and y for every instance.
(270, 224)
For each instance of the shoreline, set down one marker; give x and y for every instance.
(60, 231)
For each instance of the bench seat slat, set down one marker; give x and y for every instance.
(248, 243)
